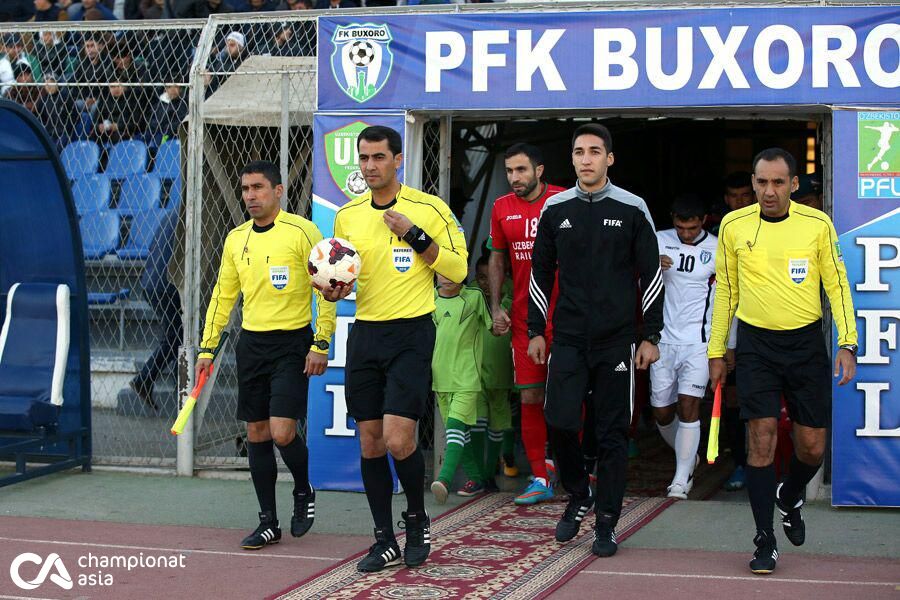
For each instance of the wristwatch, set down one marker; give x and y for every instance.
(851, 348)
(533, 334)
(653, 338)
(321, 345)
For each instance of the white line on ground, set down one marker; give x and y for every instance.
(743, 578)
(23, 598)
(182, 550)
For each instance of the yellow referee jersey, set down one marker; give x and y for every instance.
(395, 282)
(769, 271)
(268, 266)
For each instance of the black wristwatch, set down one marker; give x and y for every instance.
(653, 338)
(533, 334)
(321, 345)
(851, 348)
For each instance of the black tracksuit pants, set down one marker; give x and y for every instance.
(608, 373)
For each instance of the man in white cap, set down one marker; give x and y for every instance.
(227, 60)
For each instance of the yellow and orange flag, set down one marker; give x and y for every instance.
(712, 447)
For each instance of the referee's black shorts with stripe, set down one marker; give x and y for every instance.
(388, 368)
(793, 363)
(270, 367)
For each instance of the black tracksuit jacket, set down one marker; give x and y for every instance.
(600, 242)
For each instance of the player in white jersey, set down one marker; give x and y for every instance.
(679, 377)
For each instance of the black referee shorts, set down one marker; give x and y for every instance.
(388, 369)
(792, 363)
(270, 367)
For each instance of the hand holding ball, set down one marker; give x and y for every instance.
(333, 263)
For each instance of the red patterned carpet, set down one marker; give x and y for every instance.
(488, 548)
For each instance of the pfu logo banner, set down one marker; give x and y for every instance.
(362, 59)
(342, 157)
(878, 135)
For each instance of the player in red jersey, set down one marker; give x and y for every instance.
(514, 221)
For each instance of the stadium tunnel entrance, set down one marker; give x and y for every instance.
(658, 156)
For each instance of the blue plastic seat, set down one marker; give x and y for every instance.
(80, 158)
(140, 235)
(106, 298)
(139, 194)
(34, 350)
(126, 158)
(91, 193)
(100, 233)
(168, 168)
(168, 160)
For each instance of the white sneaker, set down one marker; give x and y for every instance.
(680, 490)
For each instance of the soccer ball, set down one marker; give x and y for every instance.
(362, 53)
(885, 165)
(356, 183)
(333, 263)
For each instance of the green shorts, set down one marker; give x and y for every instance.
(494, 406)
(462, 406)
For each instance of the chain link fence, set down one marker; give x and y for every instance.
(153, 121)
(256, 93)
(113, 96)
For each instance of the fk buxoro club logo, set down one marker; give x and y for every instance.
(362, 59)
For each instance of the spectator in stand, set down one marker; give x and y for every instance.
(151, 9)
(123, 63)
(48, 11)
(200, 9)
(117, 117)
(22, 91)
(295, 5)
(131, 10)
(326, 4)
(255, 5)
(52, 55)
(169, 111)
(127, 71)
(93, 66)
(15, 52)
(290, 39)
(56, 111)
(16, 10)
(77, 12)
(227, 60)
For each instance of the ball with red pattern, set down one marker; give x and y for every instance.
(333, 262)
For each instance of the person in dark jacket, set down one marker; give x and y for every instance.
(118, 115)
(47, 11)
(169, 111)
(52, 55)
(16, 10)
(56, 110)
(600, 241)
(163, 296)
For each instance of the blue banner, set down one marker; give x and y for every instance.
(866, 421)
(610, 59)
(331, 433)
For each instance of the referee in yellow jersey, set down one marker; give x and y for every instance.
(404, 236)
(771, 260)
(265, 260)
